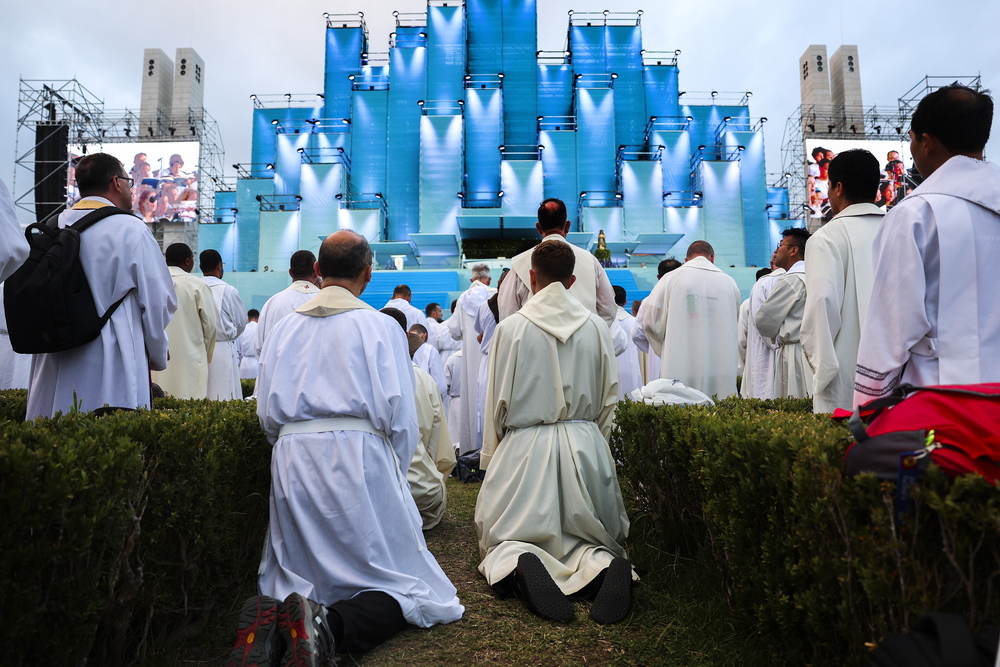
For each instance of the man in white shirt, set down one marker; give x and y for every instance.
(400, 300)
(301, 269)
(629, 371)
(191, 331)
(122, 260)
(13, 245)
(648, 358)
(839, 279)
(224, 369)
(934, 314)
(690, 320)
(246, 347)
(428, 359)
(461, 324)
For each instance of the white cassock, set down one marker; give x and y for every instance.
(649, 360)
(453, 375)
(428, 359)
(551, 487)
(742, 323)
(629, 371)
(934, 314)
(413, 314)
(15, 369)
(120, 256)
(247, 349)
(13, 244)
(758, 367)
(779, 319)
(592, 287)
(485, 324)
(192, 338)
(434, 458)
(839, 281)
(442, 341)
(461, 326)
(224, 369)
(342, 519)
(690, 317)
(281, 304)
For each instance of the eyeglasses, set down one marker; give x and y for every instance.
(785, 245)
(128, 180)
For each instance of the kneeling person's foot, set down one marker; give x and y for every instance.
(540, 593)
(614, 599)
(308, 637)
(258, 641)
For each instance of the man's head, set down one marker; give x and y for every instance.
(791, 249)
(179, 255)
(302, 265)
(480, 272)
(176, 162)
(700, 249)
(102, 175)
(892, 156)
(402, 292)
(551, 263)
(252, 315)
(552, 217)
(635, 307)
(763, 272)
(394, 313)
(433, 311)
(420, 330)
(453, 304)
(345, 259)
(620, 296)
(853, 176)
(953, 120)
(666, 266)
(210, 263)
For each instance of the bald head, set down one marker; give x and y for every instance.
(344, 255)
(700, 249)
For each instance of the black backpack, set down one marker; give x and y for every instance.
(48, 302)
(938, 640)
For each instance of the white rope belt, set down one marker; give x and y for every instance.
(331, 424)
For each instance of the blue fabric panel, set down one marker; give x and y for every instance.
(263, 140)
(660, 85)
(248, 220)
(343, 57)
(440, 173)
(320, 185)
(611, 219)
(409, 73)
(643, 198)
(555, 90)
(724, 211)
(587, 47)
(288, 162)
(624, 59)
(523, 187)
(559, 168)
(485, 39)
(367, 222)
(445, 53)
(753, 183)
(483, 136)
(596, 147)
(520, 68)
(221, 237)
(369, 129)
(686, 220)
(279, 237)
(675, 161)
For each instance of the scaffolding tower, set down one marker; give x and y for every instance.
(80, 115)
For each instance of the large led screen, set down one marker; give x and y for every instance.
(893, 156)
(165, 175)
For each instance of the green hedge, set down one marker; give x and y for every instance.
(814, 559)
(123, 533)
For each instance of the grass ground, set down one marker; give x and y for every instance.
(680, 616)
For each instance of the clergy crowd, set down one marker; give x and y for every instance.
(367, 410)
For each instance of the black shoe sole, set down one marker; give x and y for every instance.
(540, 592)
(614, 599)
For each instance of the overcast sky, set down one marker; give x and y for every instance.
(267, 47)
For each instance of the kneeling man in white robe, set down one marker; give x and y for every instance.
(550, 516)
(345, 549)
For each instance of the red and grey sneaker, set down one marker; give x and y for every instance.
(308, 637)
(258, 640)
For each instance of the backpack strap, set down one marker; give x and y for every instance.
(89, 220)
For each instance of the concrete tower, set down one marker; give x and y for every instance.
(845, 89)
(157, 91)
(189, 91)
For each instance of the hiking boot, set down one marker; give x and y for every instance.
(258, 641)
(308, 637)
(540, 593)
(614, 599)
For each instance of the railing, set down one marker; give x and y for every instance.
(605, 18)
(286, 100)
(279, 202)
(441, 107)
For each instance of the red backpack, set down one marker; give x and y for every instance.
(956, 427)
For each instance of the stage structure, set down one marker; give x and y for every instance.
(461, 129)
(171, 148)
(832, 118)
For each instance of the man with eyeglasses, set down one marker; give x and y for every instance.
(121, 259)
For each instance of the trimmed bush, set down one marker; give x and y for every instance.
(814, 559)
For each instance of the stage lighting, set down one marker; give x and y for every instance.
(501, 148)
(541, 147)
(579, 76)
(727, 119)
(697, 195)
(326, 15)
(338, 196)
(236, 167)
(461, 103)
(423, 34)
(639, 12)
(461, 195)
(652, 119)
(830, 128)
(500, 75)
(269, 167)
(702, 147)
(642, 52)
(259, 198)
(395, 15)
(689, 118)
(320, 96)
(677, 52)
(613, 76)
(768, 206)
(340, 149)
(346, 121)
(618, 195)
(812, 128)
(606, 12)
(500, 194)
(749, 94)
(540, 119)
(567, 53)
(128, 131)
(350, 77)
(274, 122)
(192, 128)
(468, 77)
(854, 129)
(878, 129)
(682, 93)
(378, 195)
(288, 96)
(300, 150)
(420, 103)
(741, 148)
(570, 12)
(361, 15)
(235, 211)
(298, 197)
(583, 194)
(253, 98)
(899, 130)
(714, 94)
(667, 194)
(763, 119)
(662, 147)
(621, 147)
(171, 130)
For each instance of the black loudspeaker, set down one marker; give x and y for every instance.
(51, 157)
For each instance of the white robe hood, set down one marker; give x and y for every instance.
(331, 301)
(556, 312)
